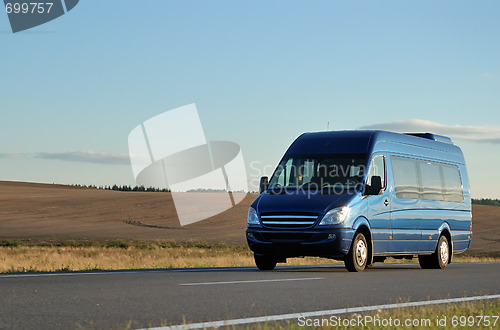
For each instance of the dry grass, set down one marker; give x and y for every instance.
(115, 255)
(120, 255)
(450, 316)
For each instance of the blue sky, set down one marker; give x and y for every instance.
(260, 73)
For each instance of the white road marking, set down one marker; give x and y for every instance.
(282, 317)
(254, 281)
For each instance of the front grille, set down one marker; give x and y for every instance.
(288, 220)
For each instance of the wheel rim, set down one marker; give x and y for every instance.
(443, 252)
(361, 252)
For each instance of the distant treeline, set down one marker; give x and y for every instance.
(202, 190)
(150, 189)
(482, 201)
(486, 201)
(123, 188)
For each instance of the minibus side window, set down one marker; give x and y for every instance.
(406, 178)
(452, 184)
(432, 185)
(377, 168)
(426, 180)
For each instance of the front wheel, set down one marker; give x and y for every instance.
(357, 258)
(264, 262)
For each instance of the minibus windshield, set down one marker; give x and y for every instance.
(334, 172)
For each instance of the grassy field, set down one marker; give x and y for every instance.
(16, 256)
(77, 256)
(470, 315)
(53, 228)
(482, 314)
(40, 212)
(48, 228)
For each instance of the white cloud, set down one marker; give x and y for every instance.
(75, 156)
(12, 155)
(488, 134)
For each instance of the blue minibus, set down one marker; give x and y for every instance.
(362, 196)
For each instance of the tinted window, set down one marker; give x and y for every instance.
(377, 168)
(414, 178)
(406, 180)
(452, 184)
(285, 171)
(432, 185)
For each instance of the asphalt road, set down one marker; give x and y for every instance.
(141, 299)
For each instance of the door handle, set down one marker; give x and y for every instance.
(386, 202)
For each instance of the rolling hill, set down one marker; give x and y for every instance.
(52, 213)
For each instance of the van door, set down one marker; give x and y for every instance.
(406, 206)
(433, 205)
(379, 206)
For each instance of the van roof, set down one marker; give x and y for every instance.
(431, 136)
(368, 141)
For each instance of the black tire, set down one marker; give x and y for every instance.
(264, 262)
(357, 258)
(426, 261)
(439, 259)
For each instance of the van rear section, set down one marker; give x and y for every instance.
(362, 196)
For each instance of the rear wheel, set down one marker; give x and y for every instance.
(439, 259)
(357, 258)
(442, 254)
(264, 262)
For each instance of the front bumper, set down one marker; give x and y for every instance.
(327, 242)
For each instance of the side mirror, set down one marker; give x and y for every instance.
(376, 185)
(264, 182)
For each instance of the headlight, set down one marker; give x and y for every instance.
(253, 218)
(335, 216)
